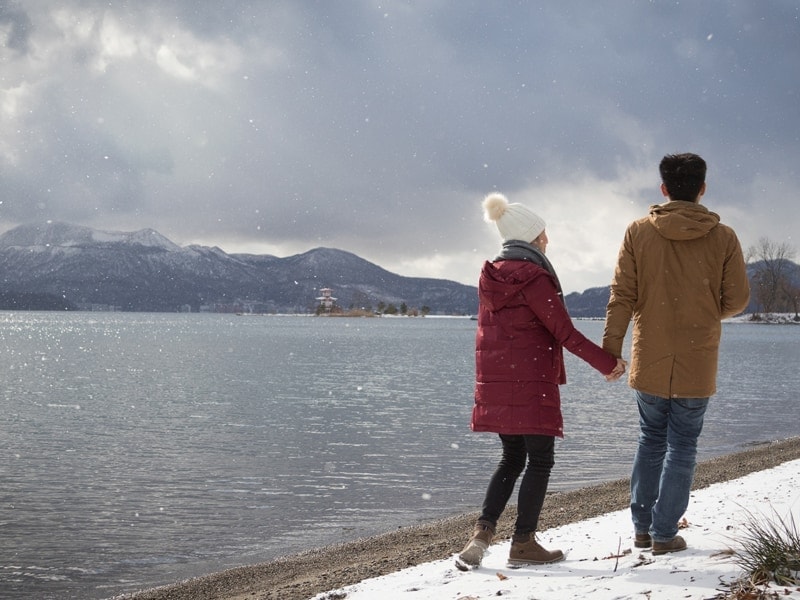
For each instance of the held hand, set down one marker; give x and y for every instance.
(618, 371)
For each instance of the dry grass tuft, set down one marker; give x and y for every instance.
(768, 553)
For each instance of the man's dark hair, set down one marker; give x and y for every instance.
(683, 175)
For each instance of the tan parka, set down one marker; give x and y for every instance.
(679, 273)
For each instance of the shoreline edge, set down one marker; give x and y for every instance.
(304, 575)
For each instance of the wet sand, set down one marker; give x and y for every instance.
(302, 576)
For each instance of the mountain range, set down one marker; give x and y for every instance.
(60, 266)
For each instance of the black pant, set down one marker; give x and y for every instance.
(539, 450)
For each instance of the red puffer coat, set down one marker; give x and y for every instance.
(519, 363)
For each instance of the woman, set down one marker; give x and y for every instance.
(522, 327)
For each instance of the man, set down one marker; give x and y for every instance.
(679, 273)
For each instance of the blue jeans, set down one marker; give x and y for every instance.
(663, 469)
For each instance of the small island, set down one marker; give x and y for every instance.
(327, 307)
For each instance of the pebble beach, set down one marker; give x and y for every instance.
(302, 576)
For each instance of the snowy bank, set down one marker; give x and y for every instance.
(601, 561)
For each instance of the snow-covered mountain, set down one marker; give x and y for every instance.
(144, 271)
(65, 235)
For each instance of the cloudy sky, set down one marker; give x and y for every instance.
(275, 127)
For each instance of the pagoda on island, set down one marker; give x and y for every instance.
(326, 301)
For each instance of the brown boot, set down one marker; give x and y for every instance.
(676, 544)
(642, 540)
(525, 550)
(472, 554)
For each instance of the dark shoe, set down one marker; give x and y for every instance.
(676, 544)
(643, 540)
(525, 550)
(472, 554)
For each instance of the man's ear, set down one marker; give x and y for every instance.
(702, 191)
(664, 191)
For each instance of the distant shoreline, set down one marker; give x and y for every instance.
(748, 318)
(766, 319)
(302, 576)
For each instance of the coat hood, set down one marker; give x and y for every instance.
(503, 280)
(681, 220)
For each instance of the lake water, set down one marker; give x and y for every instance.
(142, 449)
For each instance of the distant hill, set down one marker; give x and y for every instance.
(62, 266)
(588, 304)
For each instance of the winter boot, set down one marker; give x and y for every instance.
(676, 544)
(642, 540)
(472, 554)
(525, 550)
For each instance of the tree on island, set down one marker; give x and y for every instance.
(792, 295)
(774, 289)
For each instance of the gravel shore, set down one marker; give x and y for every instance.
(302, 576)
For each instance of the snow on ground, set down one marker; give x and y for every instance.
(602, 563)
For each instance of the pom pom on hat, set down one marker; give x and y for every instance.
(514, 221)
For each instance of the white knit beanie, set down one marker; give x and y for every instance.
(514, 221)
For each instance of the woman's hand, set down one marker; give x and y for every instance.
(618, 371)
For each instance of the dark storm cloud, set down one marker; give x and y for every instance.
(378, 127)
(17, 25)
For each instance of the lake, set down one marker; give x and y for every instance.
(142, 449)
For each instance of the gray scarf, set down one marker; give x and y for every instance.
(519, 250)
